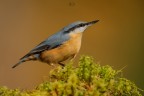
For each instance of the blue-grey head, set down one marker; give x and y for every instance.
(78, 27)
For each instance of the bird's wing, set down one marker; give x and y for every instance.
(52, 42)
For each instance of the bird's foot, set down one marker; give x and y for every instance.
(63, 65)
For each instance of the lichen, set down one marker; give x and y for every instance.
(88, 79)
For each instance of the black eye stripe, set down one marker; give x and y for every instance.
(76, 26)
(81, 25)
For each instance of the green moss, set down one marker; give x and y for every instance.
(88, 79)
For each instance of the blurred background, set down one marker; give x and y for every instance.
(116, 40)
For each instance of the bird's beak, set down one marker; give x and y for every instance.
(92, 22)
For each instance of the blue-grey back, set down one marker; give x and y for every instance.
(54, 40)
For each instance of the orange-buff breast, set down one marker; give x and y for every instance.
(67, 50)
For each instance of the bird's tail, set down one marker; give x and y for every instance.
(34, 57)
(21, 61)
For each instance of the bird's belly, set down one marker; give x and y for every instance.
(66, 51)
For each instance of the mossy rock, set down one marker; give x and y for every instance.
(88, 79)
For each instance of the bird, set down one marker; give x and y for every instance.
(59, 47)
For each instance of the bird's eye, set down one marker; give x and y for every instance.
(81, 25)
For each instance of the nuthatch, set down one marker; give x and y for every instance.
(59, 47)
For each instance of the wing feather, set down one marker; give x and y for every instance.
(52, 42)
